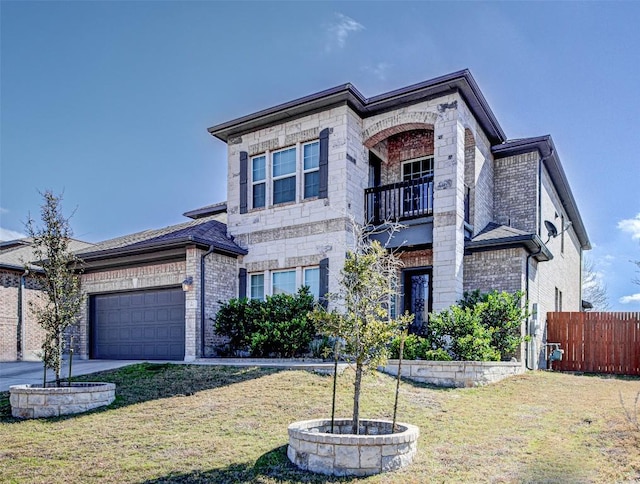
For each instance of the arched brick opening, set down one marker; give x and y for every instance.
(400, 128)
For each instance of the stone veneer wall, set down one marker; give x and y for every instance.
(32, 332)
(455, 374)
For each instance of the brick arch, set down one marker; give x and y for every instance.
(398, 123)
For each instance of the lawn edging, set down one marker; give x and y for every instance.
(455, 374)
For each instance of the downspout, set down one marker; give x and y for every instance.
(202, 298)
(542, 159)
(526, 295)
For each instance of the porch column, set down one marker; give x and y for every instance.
(448, 208)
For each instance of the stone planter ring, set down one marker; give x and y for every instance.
(313, 448)
(33, 401)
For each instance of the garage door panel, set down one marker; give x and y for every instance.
(138, 325)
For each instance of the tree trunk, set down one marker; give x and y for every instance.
(356, 399)
(58, 359)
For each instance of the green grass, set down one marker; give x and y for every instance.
(189, 423)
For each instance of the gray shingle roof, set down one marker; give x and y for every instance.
(21, 252)
(495, 236)
(209, 231)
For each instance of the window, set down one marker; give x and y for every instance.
(284, 176)
(312, 279)
(558, 306)
(417, 197)
(257, 286)
(283, 282)
(258, 181)
(311, 164)
(417, 168)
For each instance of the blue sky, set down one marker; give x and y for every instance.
(110, 101)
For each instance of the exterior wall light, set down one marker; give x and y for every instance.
(187, 284)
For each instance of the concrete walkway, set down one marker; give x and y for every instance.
(31, 372)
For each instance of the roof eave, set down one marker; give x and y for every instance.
(530, 242)
(460, 81)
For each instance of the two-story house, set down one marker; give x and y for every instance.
(478, 212)
(432, 156)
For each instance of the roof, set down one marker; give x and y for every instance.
(208, 233)
(461, 82)
(495, 236)
(544, 145)
(216, 208)
(14, 254)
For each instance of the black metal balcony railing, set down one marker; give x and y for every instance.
(399, 201)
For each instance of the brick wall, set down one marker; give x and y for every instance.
(221, 284)
(501, 270)
(32, 332)
(516, 191)
(417, 258)
(402, 147)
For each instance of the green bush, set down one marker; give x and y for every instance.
(481, 327)
(417, 348)
(277, 326)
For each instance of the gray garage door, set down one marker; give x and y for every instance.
(137, 325)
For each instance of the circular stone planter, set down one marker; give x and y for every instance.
(375, 450)
(33, 401)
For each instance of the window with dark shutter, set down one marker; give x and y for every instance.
(244, 162)
(323, 165)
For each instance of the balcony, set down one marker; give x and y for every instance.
(399, 201)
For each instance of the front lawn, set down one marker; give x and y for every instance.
(179, 423)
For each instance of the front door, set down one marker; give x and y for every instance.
(417, 298)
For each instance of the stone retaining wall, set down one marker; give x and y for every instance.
(31, 401)
(457, 374)
(313, 448)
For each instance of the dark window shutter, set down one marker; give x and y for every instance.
(324, 281)
(242, 283)
(323, 165)
(244, 171)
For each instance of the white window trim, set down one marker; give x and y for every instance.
(413, 160)
(311, 170)
(294, 174)
(265, 180)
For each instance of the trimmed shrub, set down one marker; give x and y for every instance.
(277, 326)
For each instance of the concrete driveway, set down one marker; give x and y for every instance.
(31, 372)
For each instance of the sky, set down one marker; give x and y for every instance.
(109, 102)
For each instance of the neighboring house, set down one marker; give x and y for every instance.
(477, 209)
(20, 335)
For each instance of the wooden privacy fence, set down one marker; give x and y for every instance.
(596, 342)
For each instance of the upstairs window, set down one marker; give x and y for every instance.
(284, 176)
(311, 166)
(258, 181)
(417, 168)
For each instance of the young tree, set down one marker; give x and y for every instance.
(361, 317)
(594, 289)
(61, 298)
